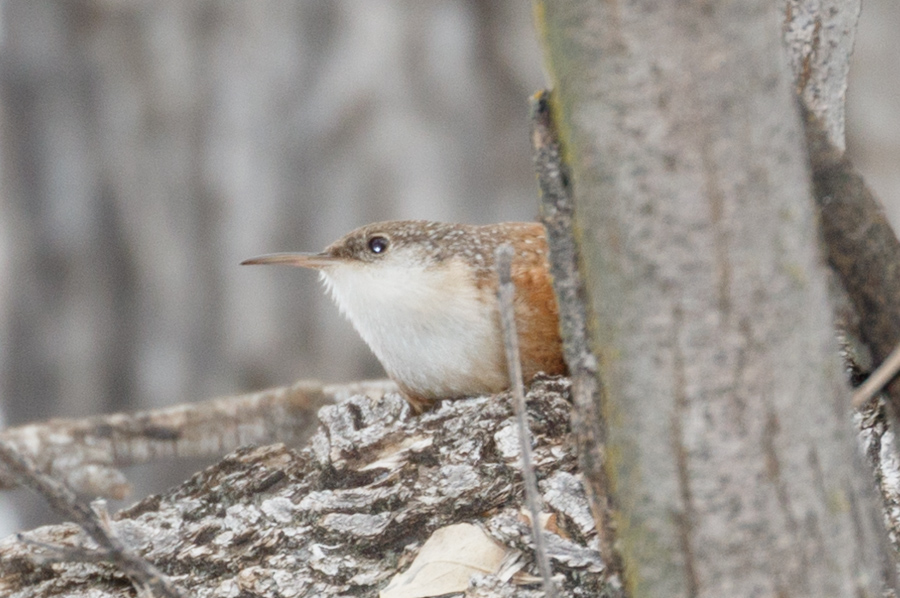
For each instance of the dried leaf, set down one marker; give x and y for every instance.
(446, 562)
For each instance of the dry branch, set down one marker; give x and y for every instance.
(109, 546)
(87, 453)
(876, 381)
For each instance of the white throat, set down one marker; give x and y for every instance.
(429, 327)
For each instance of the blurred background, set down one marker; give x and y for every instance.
(146, 147)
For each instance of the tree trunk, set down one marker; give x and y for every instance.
(731, 454)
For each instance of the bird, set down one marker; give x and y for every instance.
(423, 297)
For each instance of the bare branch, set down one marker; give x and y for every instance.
(64, 502)
(87, 453)
(875, 382)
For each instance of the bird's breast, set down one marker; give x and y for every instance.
(432, 328)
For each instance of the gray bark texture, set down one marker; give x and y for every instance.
(341, 516)
(730, 453)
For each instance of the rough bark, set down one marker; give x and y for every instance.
(345, 513)
(589, 426)
(732, 460)
(94, 521)
(879, 441)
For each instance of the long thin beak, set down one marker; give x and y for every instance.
(315, 261)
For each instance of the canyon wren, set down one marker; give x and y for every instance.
(423, 296)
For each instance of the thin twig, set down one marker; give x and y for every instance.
(506, 293)
(876, 381)
(64, 502)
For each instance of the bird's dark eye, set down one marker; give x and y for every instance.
(378, 244)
